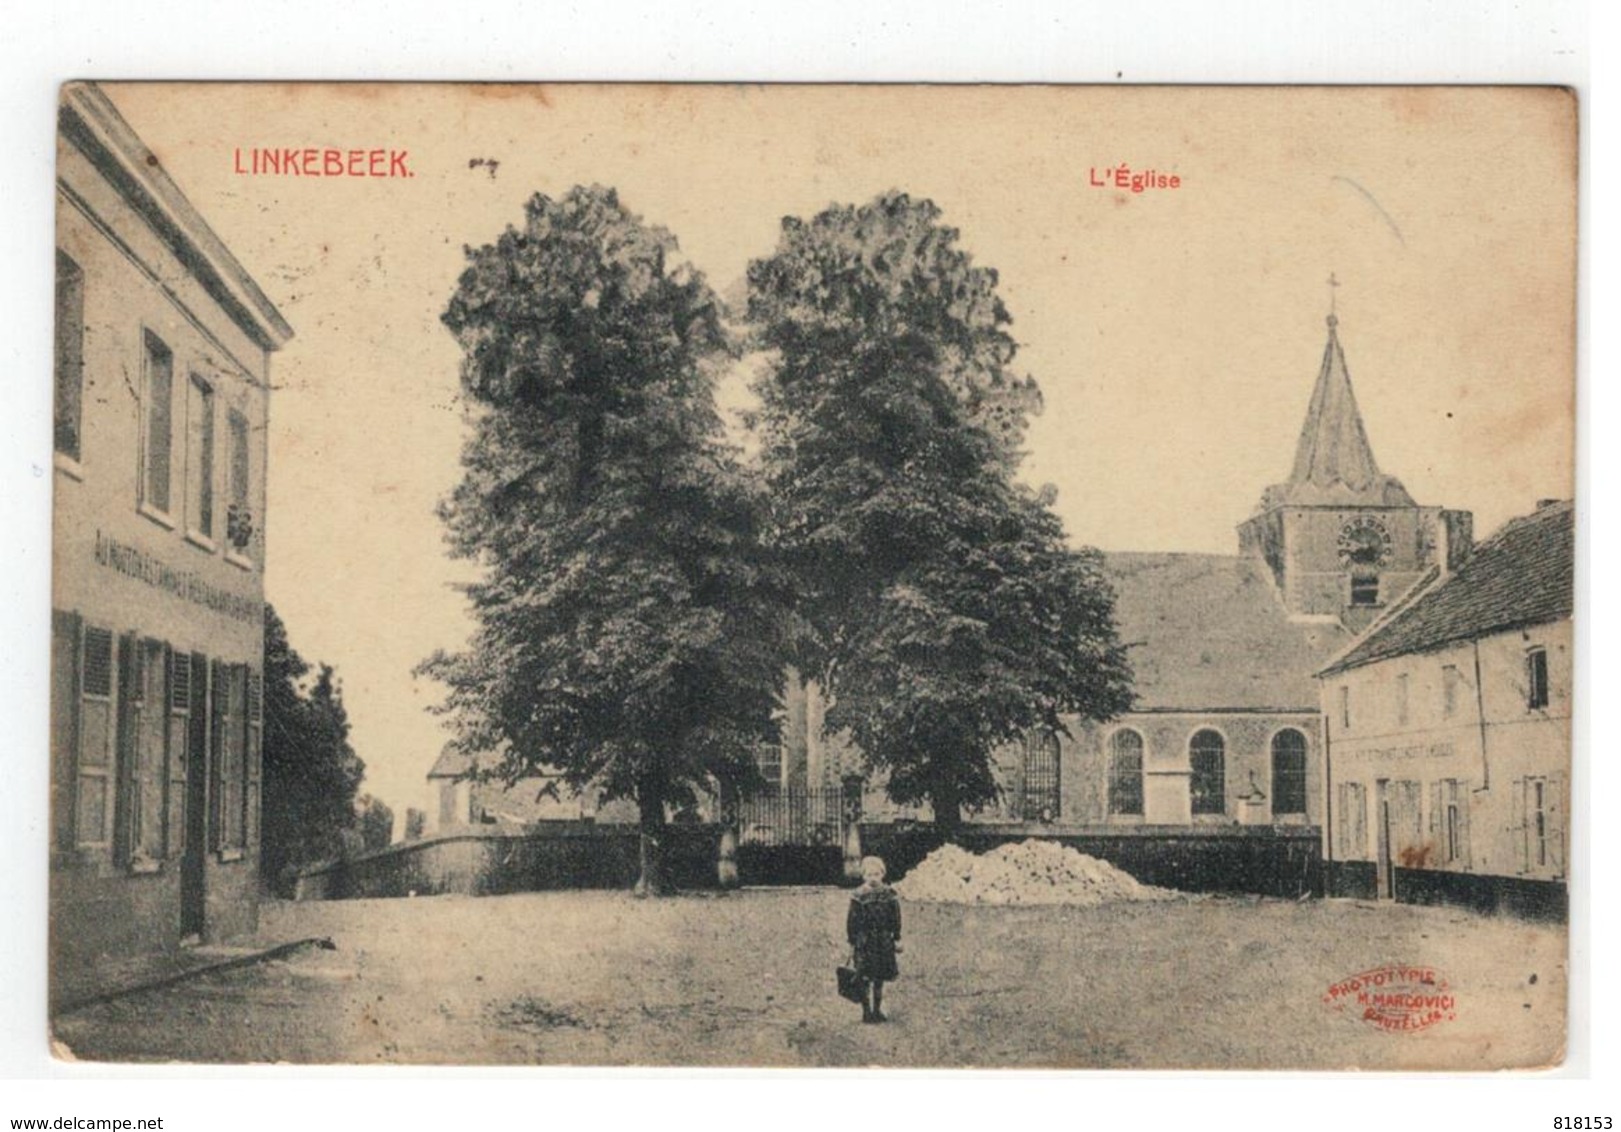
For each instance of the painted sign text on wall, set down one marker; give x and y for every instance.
(135, 563)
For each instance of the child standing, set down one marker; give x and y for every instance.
(874, 928)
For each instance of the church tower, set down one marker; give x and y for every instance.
(1344, 540)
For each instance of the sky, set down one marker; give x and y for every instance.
(1175, 332)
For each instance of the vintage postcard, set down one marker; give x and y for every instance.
(735, 575)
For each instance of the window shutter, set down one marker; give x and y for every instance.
(92, 786)
(1555, 802)
(127, 801)
(1520, 825)
(179, 746)
(219, 754)
(1463, 791)
(65, 661)
(1438, 827)
(251, 758)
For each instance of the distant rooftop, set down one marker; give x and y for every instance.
(1208, 632)
(1524, 574)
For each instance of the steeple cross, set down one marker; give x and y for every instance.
(1333, 288)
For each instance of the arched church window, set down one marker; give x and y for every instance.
(1041, 764)
(1125, 773)
(1288, 772)
(1207, 756)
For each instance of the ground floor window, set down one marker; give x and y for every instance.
(1041, 793)
(1126, 773)
(1289, 772)
(1207, 786)
(1540, 802)
(122, 737)
(1449, 820)
(1351, 821)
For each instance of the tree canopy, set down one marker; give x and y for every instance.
(946, 614)
(627, 626)
(311, 773)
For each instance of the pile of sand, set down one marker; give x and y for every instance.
(1025, 872)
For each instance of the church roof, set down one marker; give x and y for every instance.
(1208, 632)
(450, 764)
(1524, 574)
(1334, 462)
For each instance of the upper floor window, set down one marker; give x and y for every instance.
(158, 365)
(768, 760)
(240, 517)
(1536, 678)
(1207, 757)
(1126, 773)
(1402, 689)
(69, 356)
(1364, 589)
(200, 459)
(1289, 772)
(1345, 707)
(1451, 688)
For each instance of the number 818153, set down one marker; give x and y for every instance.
(1582, 1124)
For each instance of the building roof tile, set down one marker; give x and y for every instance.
(1208, 632)
(1524, 574)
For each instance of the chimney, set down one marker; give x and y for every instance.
(1460, 532)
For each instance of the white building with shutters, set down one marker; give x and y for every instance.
(163, 344)
(1448, 726)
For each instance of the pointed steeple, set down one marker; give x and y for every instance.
(1334, 462)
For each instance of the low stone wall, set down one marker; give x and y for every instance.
(489, 860)
(1271, 861)
(1490, 895)
(1283, 861)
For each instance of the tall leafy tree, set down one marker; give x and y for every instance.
(627, 627)
(311, 773)
(947, 615)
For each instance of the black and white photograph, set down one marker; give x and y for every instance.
(813, 576)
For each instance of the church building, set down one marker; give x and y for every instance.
(1226, 729)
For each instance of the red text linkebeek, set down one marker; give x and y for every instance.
(318, 162)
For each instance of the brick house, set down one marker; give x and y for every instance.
(163, 344)
(1449, 726)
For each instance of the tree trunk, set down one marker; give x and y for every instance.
(652, 881)
(947, 805)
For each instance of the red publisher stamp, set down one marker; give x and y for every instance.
(1396, 997)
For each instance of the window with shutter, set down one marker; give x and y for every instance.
(1352, 821)
(64, 724)
(251, 757)
(222, 760)
(1356, 811)
(1555, 799)
(179, 747)
(126, 801)
(93, 786)
(159, 438)
(151, 767)
(1460, 790)
(1536, 679)
(69, 355)
(1520, 828)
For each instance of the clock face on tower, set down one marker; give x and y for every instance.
(1364, 541)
